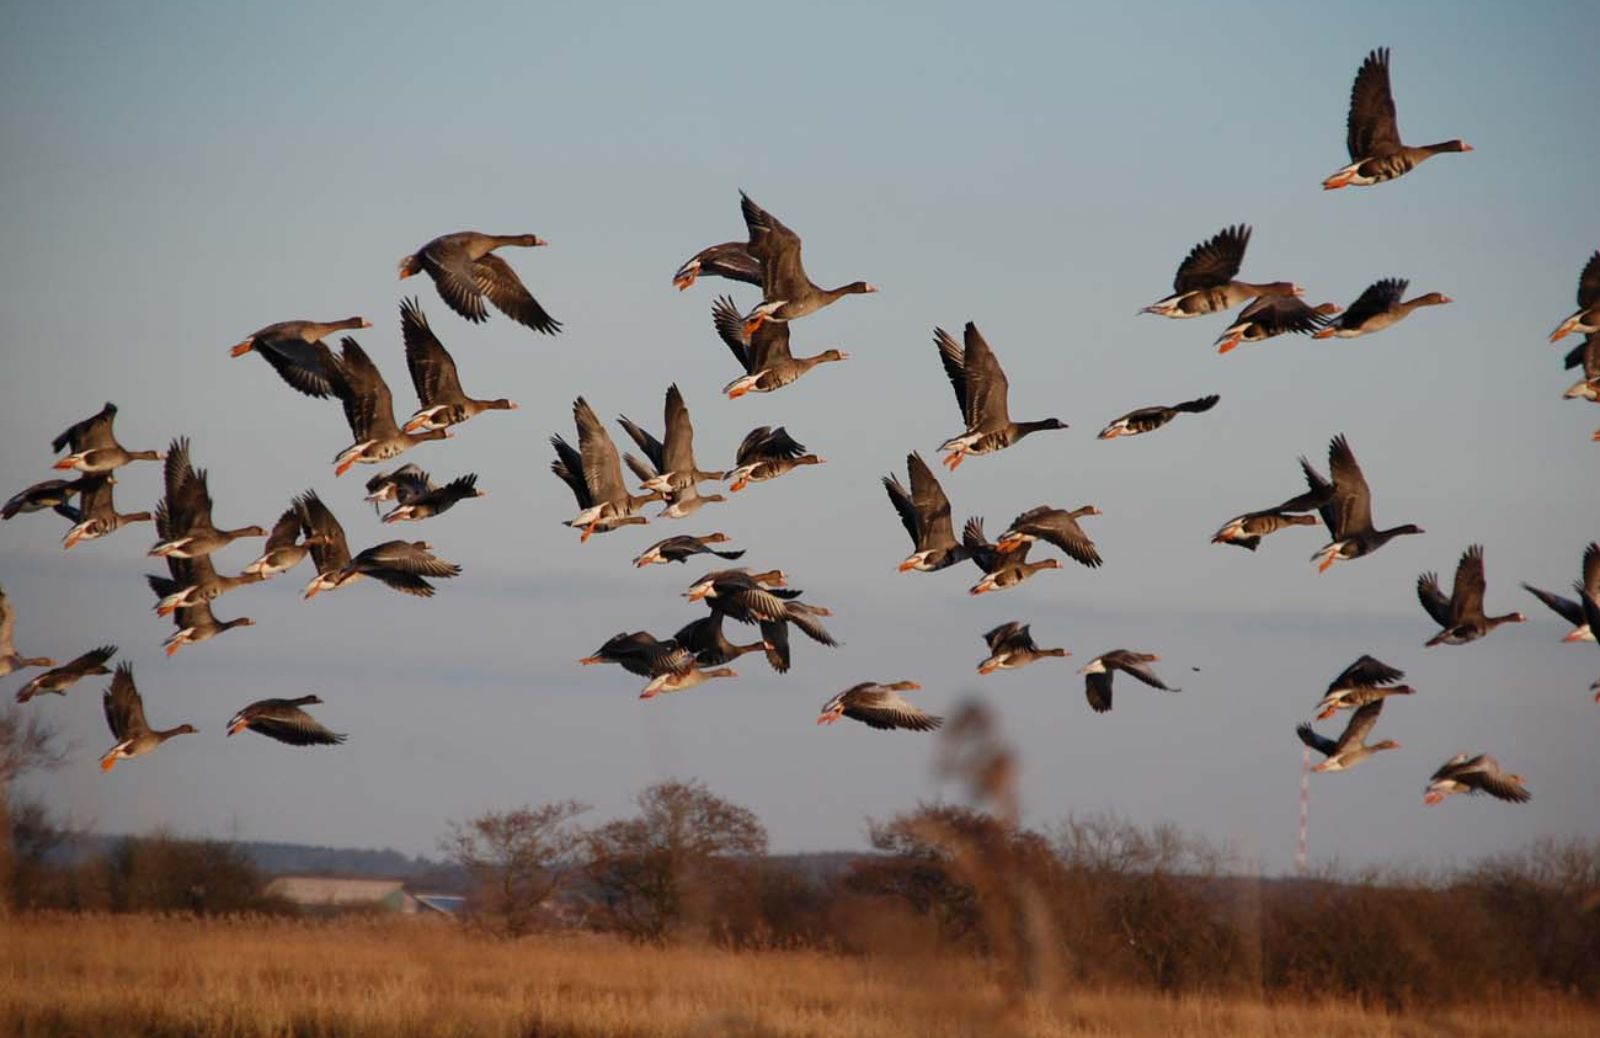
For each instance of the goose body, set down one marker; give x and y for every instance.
(194, 619)
(284, 550)
(673, 454)
(1055, 526)
(1347, 508)
(1001, 569)
(1377, 308)
(183, 518)
(1011, 646)
(441, 402)
(54, 494)
(1097, 675)
(594, 474)
(59, 679)
(1271, 316)
(787, 294)
(925, 512)
(1367, 680)
(97, 510)
(1149, 419)
(683, 547)
(1373, 133)
(711, 647)
(417, 497)
(1350, 748)
(291, 347)
(1205, 282)
(286, 721)
(92, 445)
(1247, 530)
(1461, 617)
(369, 411)
(879, 706)
(767, 453)
(981, 392)
(466, 272)
(1475, 773)
(124, 710)
(764, 353)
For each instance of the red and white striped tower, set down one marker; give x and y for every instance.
(1300, 859)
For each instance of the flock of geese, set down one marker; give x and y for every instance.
(470, 276)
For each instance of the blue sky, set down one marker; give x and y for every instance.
(175, 176)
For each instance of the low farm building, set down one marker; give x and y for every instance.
(343, 894)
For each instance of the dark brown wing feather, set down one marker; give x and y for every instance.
(1351, 495)
(1215, 262)
(368, 404)
(1380, 297)
(953, 359)
(1433, 600)
(506, 291)
(1588, 284)
(433, 370)
(1371, 129)
(987, 406)
(1466, 599)
(777, 248)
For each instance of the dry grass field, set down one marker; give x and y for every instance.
(142, 975)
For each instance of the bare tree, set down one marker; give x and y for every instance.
(662, 872)
(27, 743)
(517, 859)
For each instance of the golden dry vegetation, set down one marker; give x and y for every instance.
(167, 975)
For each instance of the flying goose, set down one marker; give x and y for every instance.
(1100, 670)
(324, 539)
(285, 721)
(368, 410)
(125, 717)
(1205, 281)
(879, 706)
(1461, 615)
(441, 402)
(1272, 316)
(54, 494)
(68, 674)
(1245, 531)
(1056, 526)
(402, 565)
(183, 516)
(291, 348)
(594, 473)
(406, 482)
(767, 453)
(284, 550)
(1571, 610)
(1475, 773)
(681, 547)
(1350, 749)
(764, 353)
(1149, 419)
(710, 646)
(1347, 508)
(465, 269)
(1378, 308)
(639, 652)
(730, 260)
(925, 512)
(1011, 646)
(204, 583)
(9, 659)
(981, 390)
(1373, 136)
(747, 599)
(786, 293)
(195, 621)
(673, 454)
(1586, 319)
(419, 498)
(1367, 680)
(97, 510)
(93, 446)
(1001, 569)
